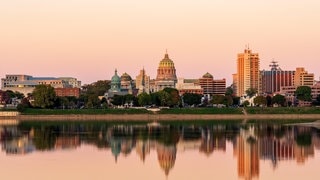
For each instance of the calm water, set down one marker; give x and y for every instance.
(209, 150)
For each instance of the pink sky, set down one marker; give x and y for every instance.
(88, 39)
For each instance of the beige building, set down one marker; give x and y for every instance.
(303, 78)
(25, 84)
(188, 86)
(248, 74)
(143, 82)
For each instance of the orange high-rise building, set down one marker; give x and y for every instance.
(248, 66)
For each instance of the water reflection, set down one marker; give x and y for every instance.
(251, 142)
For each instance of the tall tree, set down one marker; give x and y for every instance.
(191, 98)
(174, 97)
(144, 99)
(44, 96)
(303, 93)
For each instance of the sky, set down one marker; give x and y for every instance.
(89, 39)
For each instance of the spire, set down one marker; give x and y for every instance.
(166, 56)
(116, 72)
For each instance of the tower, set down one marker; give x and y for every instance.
(247, 71)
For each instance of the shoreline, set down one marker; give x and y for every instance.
(163, 117)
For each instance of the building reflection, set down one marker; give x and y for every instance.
(251, 143)
(248, 154)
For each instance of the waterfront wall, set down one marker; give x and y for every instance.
(4, 114)
(164, 117)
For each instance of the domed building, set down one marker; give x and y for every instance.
(126, 83)
(115, 82)
(166, 74)
(120, 85)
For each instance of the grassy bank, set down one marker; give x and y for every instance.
(283, 110)
(202, 111)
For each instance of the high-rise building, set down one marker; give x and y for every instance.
(166, 74)
(276, 78)
(303, 78)
(143, 82)
(247, 71)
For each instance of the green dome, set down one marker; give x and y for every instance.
(207, 75)
(126, 77)
(115, 78)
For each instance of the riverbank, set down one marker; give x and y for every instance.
(166, 117)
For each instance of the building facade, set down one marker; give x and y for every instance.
(188, 86)
(143, 82)
(26, 84)
(212, 86)
(303, 78)
(276, 78)
(67, 92)
(248, 65)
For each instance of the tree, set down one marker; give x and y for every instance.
(174, 97)
(260, 101)
(191, 98)
(278, 99)
(16, 94)
(251, 92)
(4, 97)
(229, 91)
(164, 98)
(228, 100)
(44, 96)
(269, 101)
(303, 93)
(217, 99)
(144, 99)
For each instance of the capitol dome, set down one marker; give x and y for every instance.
(207, 75)
(126, 77)
(166, 69)
(166, 62)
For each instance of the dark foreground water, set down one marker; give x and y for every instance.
(211, 150)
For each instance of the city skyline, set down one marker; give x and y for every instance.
(89, 39)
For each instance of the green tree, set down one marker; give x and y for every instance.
(269, 101)
(218, 99)
(174, 97)
(278, 99)
(229, 91)
(260, 101)
(191, 98)
(144, 99)
(44, 96)
(303, 93)
(118, 100)
(251, 92)
(164, 98)
(228, 100)
(15, 94)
